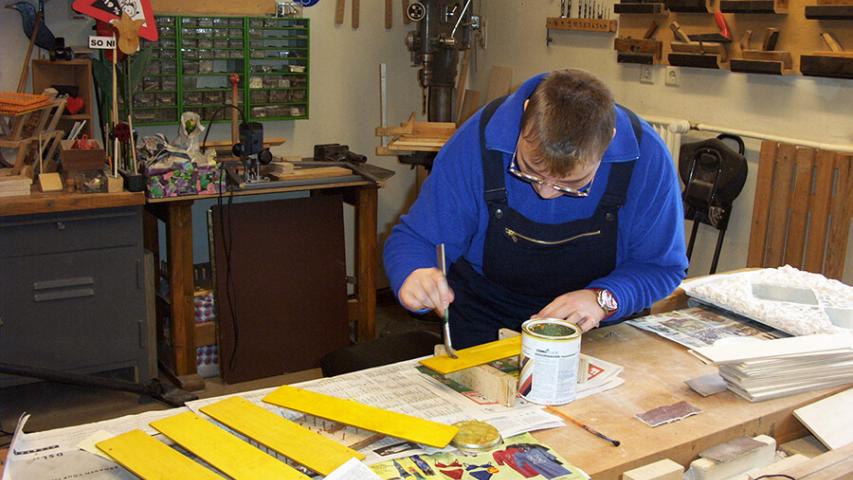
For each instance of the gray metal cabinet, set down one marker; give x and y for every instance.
(72, 292)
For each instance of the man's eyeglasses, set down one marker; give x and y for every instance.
(514, 170)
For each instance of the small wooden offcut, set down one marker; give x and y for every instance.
(802, 209)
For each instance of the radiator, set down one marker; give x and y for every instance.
(670, 130)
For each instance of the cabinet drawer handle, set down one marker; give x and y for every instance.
(64, 294)
(65, 282)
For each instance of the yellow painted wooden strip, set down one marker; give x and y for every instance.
(473, 356)
(319, 453)
(350, 412)
(222, 450)
(150, 459)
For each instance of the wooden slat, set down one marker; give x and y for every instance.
(303, 446)
(499, 84)
(356, 12)
(795, 243)
(405, 9)
(363, 416)
(780, 200)
(340, 5)
(37, 203)
(366, 261)
(836, 249)
(180, 252)
(389, 12)
(223, 451)
(470, 104)
(150, 459)
(473, 356)
(819, 209)
(461, 80)
(761, 208)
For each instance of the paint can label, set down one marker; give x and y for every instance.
(550, 351)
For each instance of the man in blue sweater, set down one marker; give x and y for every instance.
(552, 202)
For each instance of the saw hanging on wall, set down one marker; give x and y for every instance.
(108, 10)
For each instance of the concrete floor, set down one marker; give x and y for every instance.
(55, 405)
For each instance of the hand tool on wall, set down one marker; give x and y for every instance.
(771, 38)
(389, 10)
(448, 345)
(831, 42)
(650, 32)
(406, 19)
(745, 39)
(679, 34)
(723, 37)
(356, 7)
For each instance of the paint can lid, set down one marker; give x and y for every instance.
(476, 436)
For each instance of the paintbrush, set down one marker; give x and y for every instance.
(584, 426)
(442, 264)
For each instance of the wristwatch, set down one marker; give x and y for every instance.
(606, 301)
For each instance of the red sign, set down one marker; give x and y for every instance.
(106, 10)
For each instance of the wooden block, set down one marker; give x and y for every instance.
(830, 419)
(581, 24)
(363, 416)
(664, 469)
(473, 356)
(223, 451)
(50, 182)
(807, 446)
(835, 464)
(114, 184)
(770, 470)
(705, 469)
(290, 439)
(151, 459)
(703, 48)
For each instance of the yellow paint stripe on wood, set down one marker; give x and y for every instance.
(150, 459)
(350, 412)
(473, 356)
(222, 450)
(319, 453)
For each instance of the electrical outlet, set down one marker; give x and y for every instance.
(646, 74)
(673, 76)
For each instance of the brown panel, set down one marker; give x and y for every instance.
(356, 12)
(340, 5)
(287, 285)
(836, 249)
(761, 208)
(405, 9)
(819, 209)
(366, 261)
(389, 12)
(213, 7)
(780, 200)
(795, 243)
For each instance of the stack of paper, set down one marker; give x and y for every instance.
(11, 186)
(761, 370)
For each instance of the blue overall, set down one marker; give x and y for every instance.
(526, 265)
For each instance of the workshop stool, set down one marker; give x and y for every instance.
(382, 351)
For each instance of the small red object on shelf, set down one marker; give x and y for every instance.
(83, 143)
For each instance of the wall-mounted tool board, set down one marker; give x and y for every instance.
(798, 35)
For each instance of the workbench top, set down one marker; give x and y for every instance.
(655, 371)
(37, 203)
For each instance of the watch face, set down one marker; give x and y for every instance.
(607, 301)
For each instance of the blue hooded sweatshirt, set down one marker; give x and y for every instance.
(450, 209)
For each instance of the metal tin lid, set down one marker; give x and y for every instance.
(551, 329)
(475, 435)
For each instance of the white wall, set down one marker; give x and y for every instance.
(805, 108)
(344, 91)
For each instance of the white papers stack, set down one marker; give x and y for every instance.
(761, 370)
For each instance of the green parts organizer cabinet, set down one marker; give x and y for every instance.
(195, 56)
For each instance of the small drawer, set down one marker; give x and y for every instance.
(259, 96)
(145, 99)
(169, 84)
(220, 43)
(279, 96)
(166, 99)
(214, 97)
(193, 98)
(70, 231)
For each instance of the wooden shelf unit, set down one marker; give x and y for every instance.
(77, 72)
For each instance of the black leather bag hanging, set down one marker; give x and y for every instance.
(714, 175)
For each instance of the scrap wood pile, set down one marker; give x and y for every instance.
(12, 103)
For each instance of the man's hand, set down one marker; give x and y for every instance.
(426, 288)
(579, 307)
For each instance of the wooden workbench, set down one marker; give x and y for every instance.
(655, 371)
(176, 213)
(37, 203)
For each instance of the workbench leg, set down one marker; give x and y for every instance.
(366, 261)
(180, 250)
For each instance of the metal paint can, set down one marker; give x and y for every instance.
(550, 352)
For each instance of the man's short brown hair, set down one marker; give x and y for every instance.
(569, 120)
